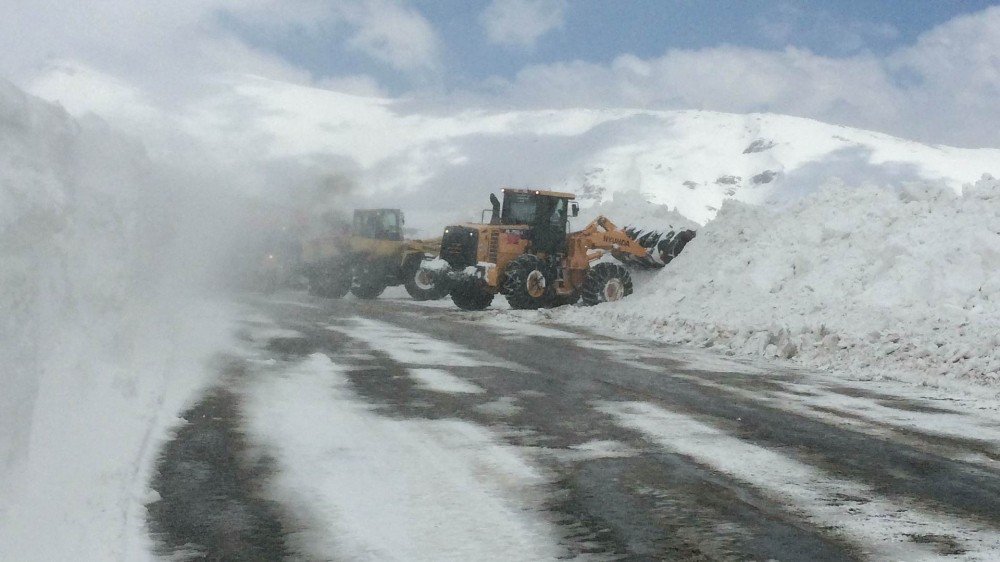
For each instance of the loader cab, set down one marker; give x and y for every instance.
(537, 208)
(546, 213)
(378, 224)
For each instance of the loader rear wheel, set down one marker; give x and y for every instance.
(424, 284)
(367, 292)
(529, 283)
(469, 294)
(331, 281)
(606, 282)
(368, 283)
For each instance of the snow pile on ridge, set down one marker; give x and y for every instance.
(632, 208)
(696, 160)
(96, 358)
(878, 281)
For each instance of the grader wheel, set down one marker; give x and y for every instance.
(606, 282)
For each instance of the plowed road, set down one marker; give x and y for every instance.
(386, 429)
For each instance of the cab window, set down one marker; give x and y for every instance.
(389, 222)
(519, 208)
(558, 217)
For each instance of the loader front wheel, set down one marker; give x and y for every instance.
(529, 283)
(469, 294)
(424, 284)
(606, 282)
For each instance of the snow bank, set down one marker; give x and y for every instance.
(97, 353)
(902, 282)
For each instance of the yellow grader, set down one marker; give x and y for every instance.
(527, 253)
(370, 257)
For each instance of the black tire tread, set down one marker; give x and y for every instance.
(469, 295)
(438, 291)
(515, 283)
(330, 281)
(593, 286)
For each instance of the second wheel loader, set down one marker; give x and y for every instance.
(527, 253)
(370, 257)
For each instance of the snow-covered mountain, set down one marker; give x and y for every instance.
(692, 160)
(401, 153)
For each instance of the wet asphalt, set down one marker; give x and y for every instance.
(647, 505)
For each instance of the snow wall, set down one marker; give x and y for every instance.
(868, 280)
(100, 345)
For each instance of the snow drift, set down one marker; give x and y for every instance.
(871, 280)
(98, 351)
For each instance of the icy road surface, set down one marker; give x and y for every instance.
(394, 430)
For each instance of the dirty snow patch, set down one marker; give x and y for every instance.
(503, 407)
(440, 380)
(366, 487)
(411, 348)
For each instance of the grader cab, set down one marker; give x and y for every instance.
(527, 253)
(370, 257)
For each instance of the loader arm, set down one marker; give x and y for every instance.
(602, 234)
(430, 246)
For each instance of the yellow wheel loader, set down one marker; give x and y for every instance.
(527, 253)
(371, 256)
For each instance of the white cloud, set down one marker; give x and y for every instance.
(170, 49)
(388, 31)
(521, 22)
(358, 85)
(945, 88)
(160, 47)
(393, 33)
(784, 23)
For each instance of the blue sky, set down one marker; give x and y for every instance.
(598, 31)
(921, 69)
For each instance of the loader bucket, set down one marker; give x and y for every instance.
(661, 247)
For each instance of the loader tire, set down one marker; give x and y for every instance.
(469, 294)
(606, 282)
(368, 282)
(529, 283)
(331, 281)
(367, 292)
(424, 284)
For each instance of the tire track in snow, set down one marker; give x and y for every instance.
(886, 529)
(367, 487)
(414, 348)
(647, 505)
